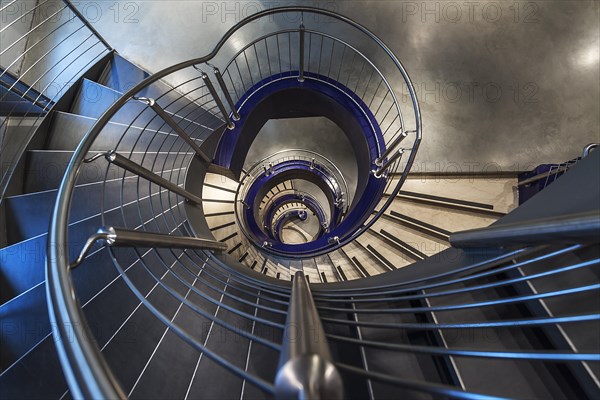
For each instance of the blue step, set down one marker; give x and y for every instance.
(45, 168)
(24, 324)
(26, 329)
(121, 74)
(29, 215)
(68, 130)
(22, 264)
(94, 99)
(21, 267)
(25, 380)
(25, 317)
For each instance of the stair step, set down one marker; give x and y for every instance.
(29, 214)
(25, 317)
(120, 351)
(499, 191)
(69, 129)
(94, 99)
(21, 267)
(25, 323)
(45, 168)
(24, 379)
(121, 74)
(519, 379)
(448, 219)
(418, 225)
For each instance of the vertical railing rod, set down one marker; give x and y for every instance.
(88, 24)
(363, 354)
(221, 82)
(306, 369)
(448, 362)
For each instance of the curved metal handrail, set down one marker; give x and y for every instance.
(387, 158)
(273, 160)
(88, 375)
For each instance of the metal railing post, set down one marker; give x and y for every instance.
(88, 24)
(221, 82)
(175, 126)
(217, 99)
(118, 237)
(379, 172)
(306, 370)
(391, 147)
(125, 163)
(301, 60)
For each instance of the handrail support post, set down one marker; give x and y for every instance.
(221, 82)
(217, 99)
(115, 158)
(174, 125)
(301, 60)
(119, 237)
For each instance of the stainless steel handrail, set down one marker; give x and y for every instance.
(589, 148)
(273, 160)
(306, 369)
(88, 24)
(572, 228)
(87, 373)
(383, 165)
(117, 237)
(331, 167)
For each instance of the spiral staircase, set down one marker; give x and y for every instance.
(147, 256)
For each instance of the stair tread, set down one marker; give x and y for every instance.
(45, 168)
(121, 74)
(135, 138)
(24, 380)
(21, 267)
(94, 99)
(29, 214)
(25, 323)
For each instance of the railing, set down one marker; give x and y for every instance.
(272, 210)
(567, 229)
(315, 160)
(156, 147)
(110, 236)
(332, 176)
(306, 369)
(45, 49)
(444, 309)
(556, 170)
(330, 59)
(429, 305)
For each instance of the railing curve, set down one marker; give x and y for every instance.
(87, 374)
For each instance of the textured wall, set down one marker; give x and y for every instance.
(502, 84)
